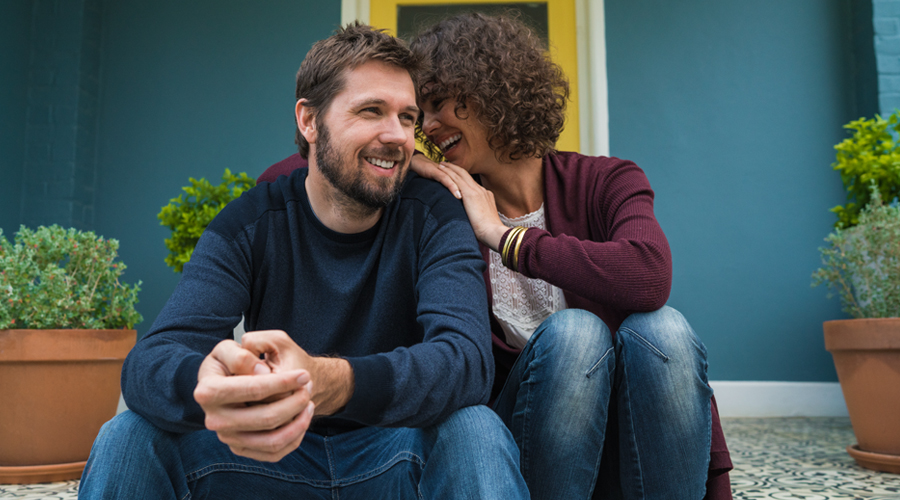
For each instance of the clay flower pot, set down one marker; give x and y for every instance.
(866, 355)
(57, 388)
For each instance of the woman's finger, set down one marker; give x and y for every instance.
(423, 166)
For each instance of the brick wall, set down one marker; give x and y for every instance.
(886, 22)
(60, 167)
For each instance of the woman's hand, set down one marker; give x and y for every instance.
(479, 204)
(428, 169)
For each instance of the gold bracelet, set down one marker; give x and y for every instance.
(504, 254)
(515, 256)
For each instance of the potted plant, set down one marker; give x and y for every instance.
(65, 328)
(188, 216)
(862, 264)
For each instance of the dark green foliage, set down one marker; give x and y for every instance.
(187, 216)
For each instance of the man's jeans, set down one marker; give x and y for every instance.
(652, 383)
(471, 455)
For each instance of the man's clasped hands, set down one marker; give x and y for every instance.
(258, 394)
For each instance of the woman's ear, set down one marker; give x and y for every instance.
(306, 120)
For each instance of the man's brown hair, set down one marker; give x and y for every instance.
(497, 65)
(321, 74)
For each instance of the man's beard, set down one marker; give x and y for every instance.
(350, 180)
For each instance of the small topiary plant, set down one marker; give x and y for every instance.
(188, 216)
(56, 278)
(862, 263)
(871, 155)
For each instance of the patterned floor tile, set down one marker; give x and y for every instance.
(800, 458)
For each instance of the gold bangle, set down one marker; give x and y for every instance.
(506, 246)
(504, 254)
(515, 256)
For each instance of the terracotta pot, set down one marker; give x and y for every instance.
(866, 355)
(57, 388)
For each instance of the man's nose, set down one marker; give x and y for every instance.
(395, 132)
(430, 123)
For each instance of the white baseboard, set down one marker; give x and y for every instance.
(779, 399)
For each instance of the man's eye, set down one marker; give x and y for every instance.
(372, 110)
(406, 117)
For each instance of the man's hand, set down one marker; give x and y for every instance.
(332, 378)
(257, 413)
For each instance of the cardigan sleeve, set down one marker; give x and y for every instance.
(604, 243)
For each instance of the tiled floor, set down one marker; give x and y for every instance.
(800, 458)
(774, 458)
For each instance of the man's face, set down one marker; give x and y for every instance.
(366, 138)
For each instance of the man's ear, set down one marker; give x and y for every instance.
(306, 121)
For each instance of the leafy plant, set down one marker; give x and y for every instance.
(862, 263)
(187, 216)
(872, 154)
(57, 278)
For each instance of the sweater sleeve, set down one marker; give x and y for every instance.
(160, 372)
(452, 367)
(610, 250)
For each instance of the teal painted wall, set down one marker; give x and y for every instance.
(15, 32)
(190, 88)
(733, 109)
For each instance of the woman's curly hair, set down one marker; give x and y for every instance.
(496, 65)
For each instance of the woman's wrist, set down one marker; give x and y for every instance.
(511, 244)
(494, 237)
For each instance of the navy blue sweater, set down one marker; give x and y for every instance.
(404, 302)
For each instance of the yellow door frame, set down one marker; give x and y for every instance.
(561, 21)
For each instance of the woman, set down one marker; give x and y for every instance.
(598, 381)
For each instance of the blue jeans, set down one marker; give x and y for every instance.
(640, 402)
(470, 455)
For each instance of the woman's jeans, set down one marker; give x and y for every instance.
(573, 385)
(471, 455)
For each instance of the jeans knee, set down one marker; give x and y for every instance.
(573, 334)
(477, 427)
(665, 331)
(124, 426)
(129, 434)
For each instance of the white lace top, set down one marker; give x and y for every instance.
(521, 304)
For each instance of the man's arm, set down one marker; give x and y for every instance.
(160, 374)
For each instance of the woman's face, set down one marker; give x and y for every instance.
(463, 141)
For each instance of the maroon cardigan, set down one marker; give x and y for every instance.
(612, 261)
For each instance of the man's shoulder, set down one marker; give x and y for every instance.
(425, 195)
(253, 204)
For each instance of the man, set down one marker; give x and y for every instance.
(370, 343)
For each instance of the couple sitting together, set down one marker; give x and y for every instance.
(501, 333)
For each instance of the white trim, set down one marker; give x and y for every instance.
(593, 98)
(779, 399)
(353, 10)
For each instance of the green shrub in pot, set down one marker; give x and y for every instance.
(55, 278)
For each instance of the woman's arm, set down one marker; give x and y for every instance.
(607, 245)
